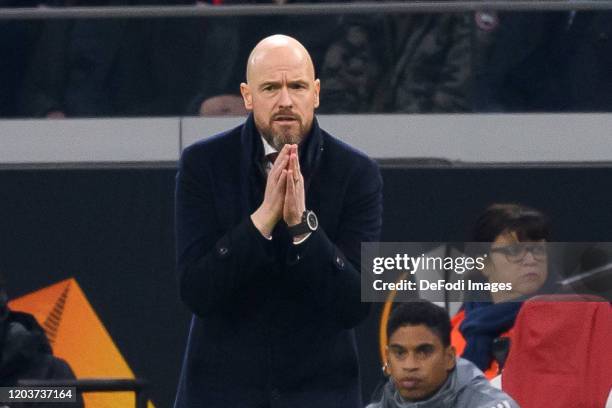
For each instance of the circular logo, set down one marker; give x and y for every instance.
(486, 20)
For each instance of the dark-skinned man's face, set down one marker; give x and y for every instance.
(418, 362)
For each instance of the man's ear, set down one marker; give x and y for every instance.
(247, 97)
(385, 367)
(317, 89)
(451, 357)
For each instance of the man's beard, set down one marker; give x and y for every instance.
(280, 137)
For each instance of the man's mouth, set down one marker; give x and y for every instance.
(409, 383)
(285, 118)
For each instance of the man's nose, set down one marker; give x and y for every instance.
(285, 98)
(410, 363)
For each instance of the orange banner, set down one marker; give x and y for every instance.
(78, 336)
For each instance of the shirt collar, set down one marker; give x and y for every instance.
(267, 147)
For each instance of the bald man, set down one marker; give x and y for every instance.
(270, 217)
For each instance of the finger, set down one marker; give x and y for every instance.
(293, 166)
(283, 153)
(283, 176)
(297, 174)
(297, 156)
(281, 186)
(279, 165)
(289, 189)
(280, 162)
(290, 183)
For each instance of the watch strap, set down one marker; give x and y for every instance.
(301, 228)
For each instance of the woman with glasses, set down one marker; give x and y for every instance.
(515, 237)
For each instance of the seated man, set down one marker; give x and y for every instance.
(25, 354)
(422, 368)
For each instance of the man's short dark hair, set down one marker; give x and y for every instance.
(421, 312)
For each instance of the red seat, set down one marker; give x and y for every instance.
(561, 353)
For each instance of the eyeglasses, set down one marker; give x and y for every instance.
(515, 253)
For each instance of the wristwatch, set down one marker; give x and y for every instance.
(309, 223)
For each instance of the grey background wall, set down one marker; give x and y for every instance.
(486, 138)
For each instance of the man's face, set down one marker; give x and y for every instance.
(282, 93)
(418, 362)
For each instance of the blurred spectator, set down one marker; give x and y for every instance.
(516, 61)
(430, 68)
(121, 67)
(515, 239)
(588, 61)
(216, 86)
(545, 61)
(16, 40)
(223, 105)
(416, 63)
(25, 353)
(352, 66)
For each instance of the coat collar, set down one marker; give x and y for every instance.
(443, 398)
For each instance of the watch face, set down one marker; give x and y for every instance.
(311, 220)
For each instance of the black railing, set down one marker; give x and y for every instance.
(299, 9)
(138, 386)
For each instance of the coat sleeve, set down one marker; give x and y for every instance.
(331, 270)
(213, 264)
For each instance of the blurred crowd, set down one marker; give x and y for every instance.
(409, 63)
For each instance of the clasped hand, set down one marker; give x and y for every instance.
(284, 196)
